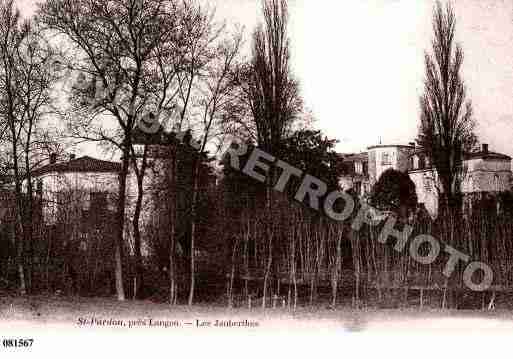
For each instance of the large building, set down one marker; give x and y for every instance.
(76, 183)
(483, 171)
(356, 173)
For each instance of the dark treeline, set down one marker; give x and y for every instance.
(172, 221)
(92, 72)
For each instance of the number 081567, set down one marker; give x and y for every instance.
(17, 343)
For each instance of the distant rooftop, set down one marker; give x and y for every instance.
(350, 157)
(487, 156)
(391, 145)
(482, 153)
(82, 164)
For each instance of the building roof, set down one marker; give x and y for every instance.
(388, 146)
(486, 155)
(351, 157)
(418, 151)
(82, 164)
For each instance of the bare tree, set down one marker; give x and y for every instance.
(26, 79)
(215, 89)
(269, 97)
(269, 94)
(446, 126)
(131, 55)
(140, 166)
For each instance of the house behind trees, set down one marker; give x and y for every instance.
(77, 183)
(482, 171)
(155, 212)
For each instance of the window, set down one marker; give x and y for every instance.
(428, 185)
(83, 242)
(98, 199)
(496, 183)
(422, 163)
(470, 184)
(95, 201)
(358, 187)
(39, 187)
(86, 203)
(358, 167)
(385, 159)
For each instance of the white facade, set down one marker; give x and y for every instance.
(427, 187)
(487, 175)
(356, 174)
(154, 187)
(484, 171)
(74, 189)
(384, 157)
(71, 186)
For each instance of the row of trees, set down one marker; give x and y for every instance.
(99, 71)
(125, 65)
(26, 78)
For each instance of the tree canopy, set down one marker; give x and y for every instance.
(394, 191)
(446, 128)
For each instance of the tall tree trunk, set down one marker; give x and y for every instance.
(173, 294)
(20, 213)
(337, 265)
(246, 234)
(27, 221)
(295, 231)
(194, 204)
(232, 275)
(140, 173)
(138, 256)
(120, 222)
(269, 233)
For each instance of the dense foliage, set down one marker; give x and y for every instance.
(394, 191)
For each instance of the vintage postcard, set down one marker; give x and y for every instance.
(200, 177)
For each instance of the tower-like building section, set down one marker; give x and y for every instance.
(384, 157)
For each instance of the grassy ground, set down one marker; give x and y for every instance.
(44, 311)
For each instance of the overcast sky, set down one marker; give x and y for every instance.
(360, 63)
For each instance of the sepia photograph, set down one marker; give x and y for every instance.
(325, 177)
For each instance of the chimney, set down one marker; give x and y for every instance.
(72, 157)
(485, 148)
(53, 158)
